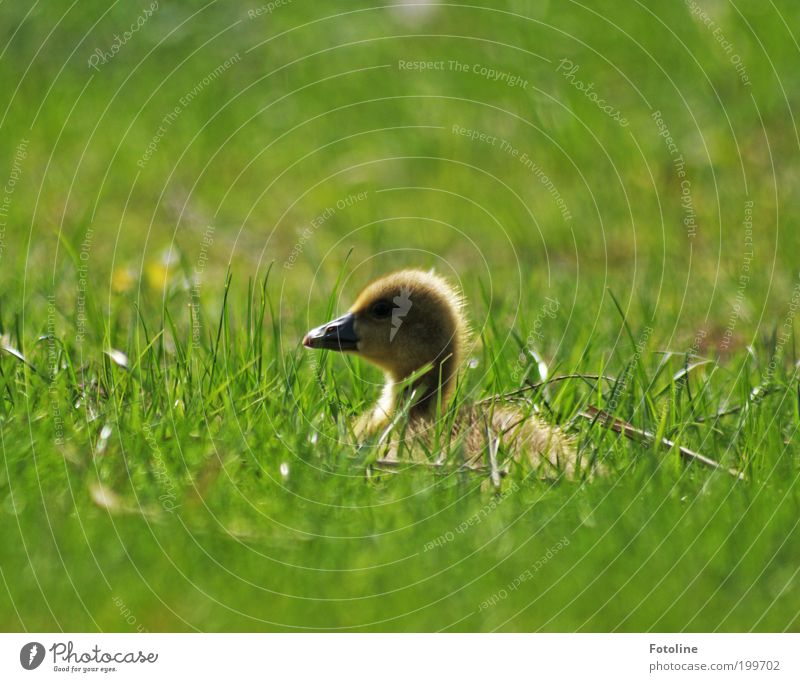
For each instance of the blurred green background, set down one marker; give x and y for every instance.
(325, 144)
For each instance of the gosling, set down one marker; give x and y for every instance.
(411, 324)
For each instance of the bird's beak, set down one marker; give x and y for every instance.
(338, 334)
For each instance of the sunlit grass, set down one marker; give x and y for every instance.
(167, 444)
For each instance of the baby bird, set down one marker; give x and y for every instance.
(411, 325)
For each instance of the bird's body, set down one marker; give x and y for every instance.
(485, 437)
(411, 324)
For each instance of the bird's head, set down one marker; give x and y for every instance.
(401, 323)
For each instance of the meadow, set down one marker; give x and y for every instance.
(187, 188)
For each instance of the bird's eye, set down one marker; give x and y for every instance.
(381, 309)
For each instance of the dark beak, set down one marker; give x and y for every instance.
(339, 334)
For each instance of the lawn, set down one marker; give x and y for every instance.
(186, 188)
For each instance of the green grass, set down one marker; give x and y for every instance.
(209, 482)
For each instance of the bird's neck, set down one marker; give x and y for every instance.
(428, 393)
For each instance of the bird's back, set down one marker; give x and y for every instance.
(491, 437)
